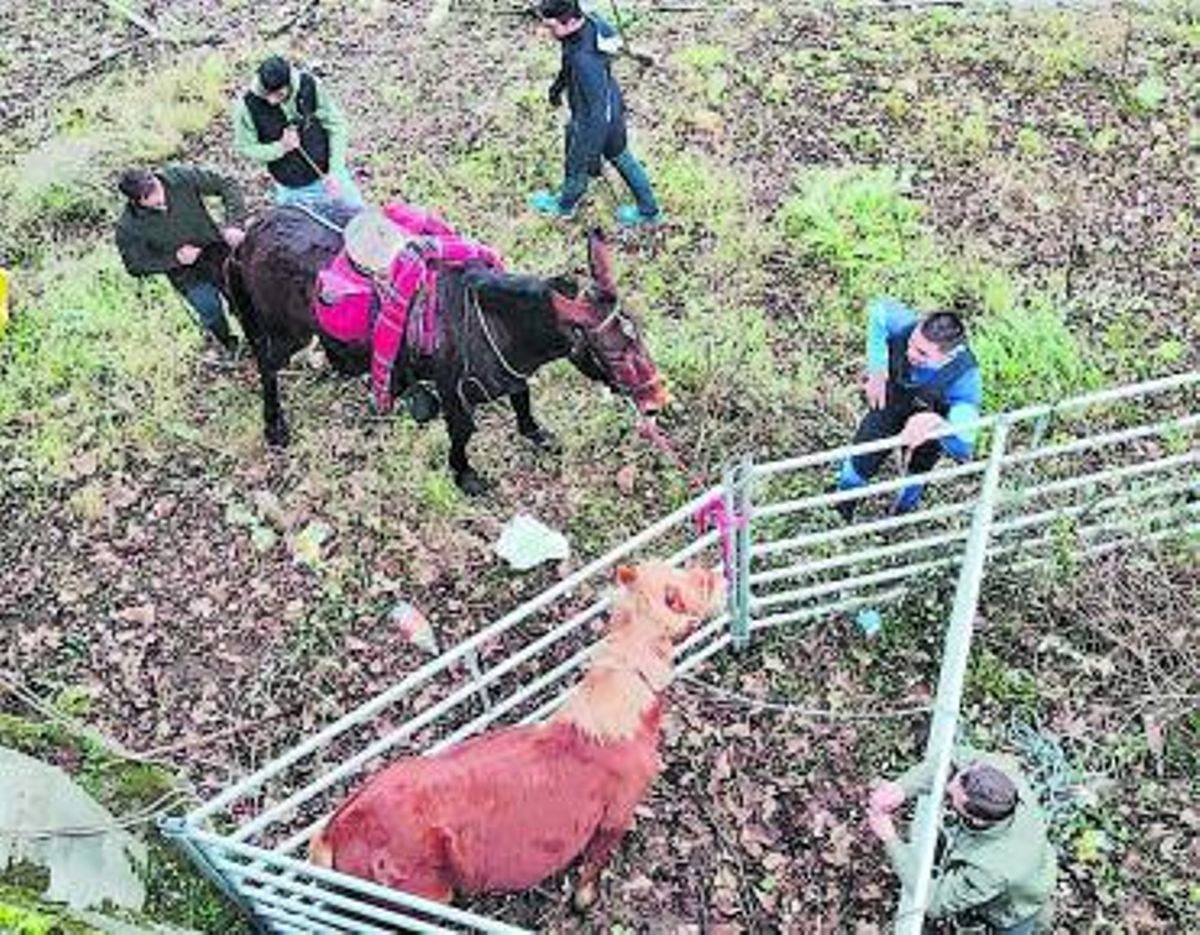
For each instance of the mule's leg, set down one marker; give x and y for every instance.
(276, 428)
(527, 425)
(274, 424)
(461, 427)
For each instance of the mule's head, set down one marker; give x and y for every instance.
(606, 340)
(675, 599)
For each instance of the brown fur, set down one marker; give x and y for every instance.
(504, 810)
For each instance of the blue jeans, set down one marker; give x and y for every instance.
(315, 191)
(206, 299)
(631, 171)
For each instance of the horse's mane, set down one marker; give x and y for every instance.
(506, 286)
(631, 668)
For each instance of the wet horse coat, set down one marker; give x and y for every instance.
(505, 810)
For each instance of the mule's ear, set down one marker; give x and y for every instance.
(626, 575)
(572, 311)
(600, 262)
(673, 598)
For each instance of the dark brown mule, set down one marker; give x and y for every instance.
(494, 330)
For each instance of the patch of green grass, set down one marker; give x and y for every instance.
(1148, 95)
(176, 893)
(990, 677)
(951, 129)
(1030, 142)
(1126, 351)
(704, 72)
(439, 494)
(863, 226)
(1057, 46)
(21, 914)
(91, 363)
(1027, 354)
(128, 118)
(727, 347)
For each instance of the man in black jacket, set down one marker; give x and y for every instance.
(597, 126)
(166, 229)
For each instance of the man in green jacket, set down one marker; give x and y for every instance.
(288, 122)
(996, 867)
(166, 229)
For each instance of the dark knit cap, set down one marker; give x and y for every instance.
(990, 795)
(136, 183)
(274, 73)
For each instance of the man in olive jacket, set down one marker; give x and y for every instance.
(166, 229)
(996, 867)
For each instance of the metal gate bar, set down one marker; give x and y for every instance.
(788, 561)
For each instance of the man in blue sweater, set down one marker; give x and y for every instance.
(597, 126)
(922, 378)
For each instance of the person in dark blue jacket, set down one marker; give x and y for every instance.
(921, 378)
(596, 129)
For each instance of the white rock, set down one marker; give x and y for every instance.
(85, 871)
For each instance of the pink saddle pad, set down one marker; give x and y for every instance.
(342, 302)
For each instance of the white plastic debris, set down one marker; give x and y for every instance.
(414, 627)
(526, 543)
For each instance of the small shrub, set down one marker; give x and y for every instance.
(1148, 95)
(1027, 355)
(864, 226)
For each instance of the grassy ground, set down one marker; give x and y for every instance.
(1037, 166)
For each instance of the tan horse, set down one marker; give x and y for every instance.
(509, 808)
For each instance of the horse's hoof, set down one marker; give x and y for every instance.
(585, 897)
(544, 441)
(278, 434)
(471, 483)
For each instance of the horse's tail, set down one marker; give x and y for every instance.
(239, 297)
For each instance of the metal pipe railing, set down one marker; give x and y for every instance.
(927, 824)
(378, 894)
(320, 901)
(289, 895)
(1102, 397)
(436, 666)
(886, 524)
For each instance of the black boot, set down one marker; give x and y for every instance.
(226, 338)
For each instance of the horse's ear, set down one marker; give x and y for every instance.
(626, 575)
(572, 311)
(600, 262)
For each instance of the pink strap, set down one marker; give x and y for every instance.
(712, 511)
(388, 334)
(416, 221)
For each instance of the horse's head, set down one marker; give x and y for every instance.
(673, 600)
(606, 341)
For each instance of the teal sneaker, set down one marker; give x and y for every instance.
(546, 204)
(631, 216)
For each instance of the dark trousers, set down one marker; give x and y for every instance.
(206, 301)
(616, 151)
(197, 285)
(884, 423)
